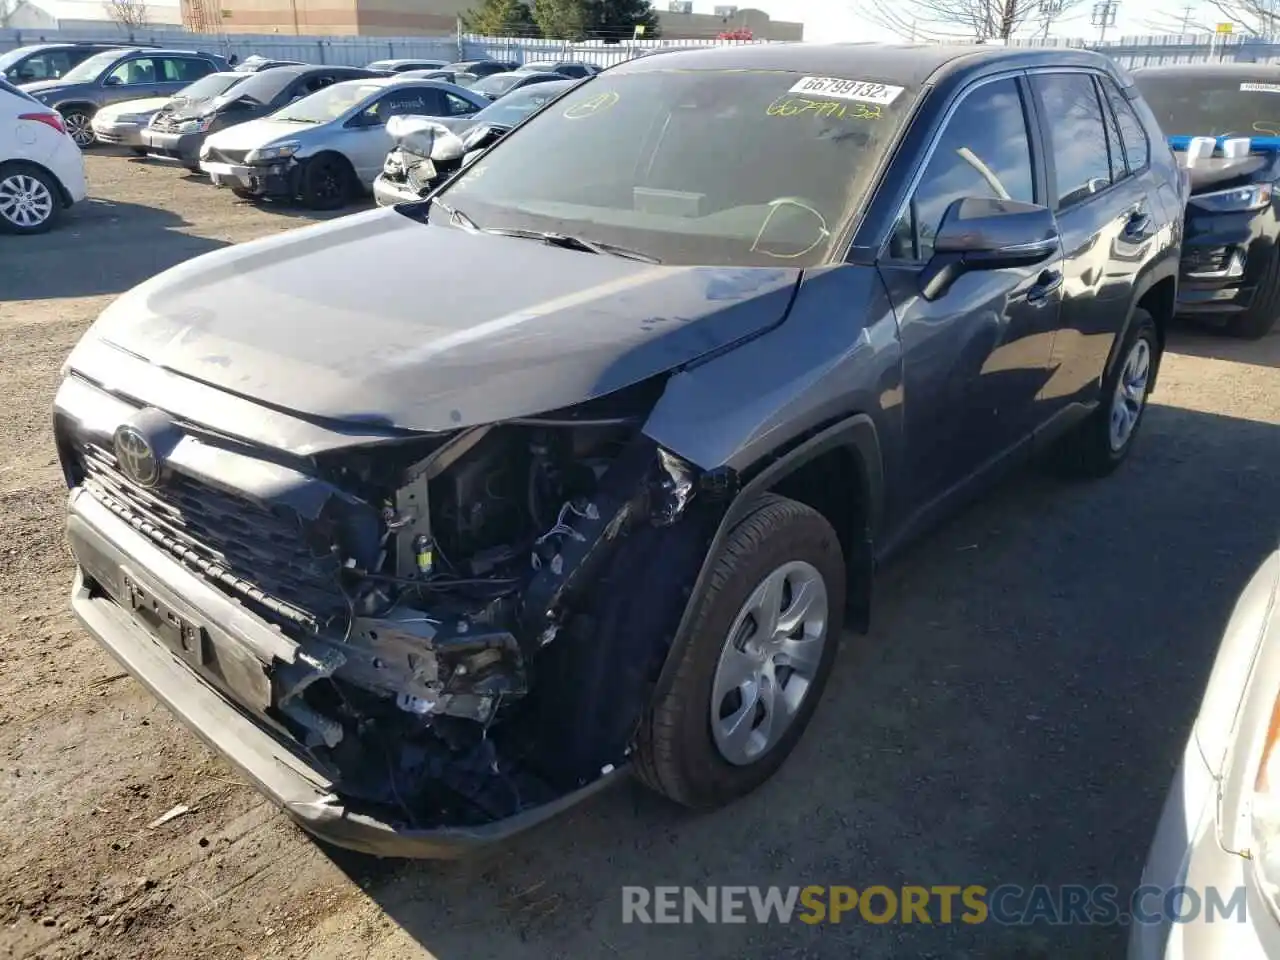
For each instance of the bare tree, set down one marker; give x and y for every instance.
(130, 14)
(1254, 18)
(6, 11)
(967, 20)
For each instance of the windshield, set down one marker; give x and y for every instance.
(509, 111)
(1212, 106)
(497, 83)
(539, 66)
(266, 86)
(211, 86)
(720, 167)
(92, 68)
(7, 60)
(327, 104)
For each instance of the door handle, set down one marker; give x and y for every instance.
(1046, 283)
(1138, 226)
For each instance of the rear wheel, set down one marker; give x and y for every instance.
(325, 183)
(29, 201)
(1100, 442)
(763, 642)
(79, 124)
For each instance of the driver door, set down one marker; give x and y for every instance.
(976, 357)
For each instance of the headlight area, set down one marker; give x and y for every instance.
(1263, 813)
(198, 125)
(1250, 198)
(272, 153)
(499, 634)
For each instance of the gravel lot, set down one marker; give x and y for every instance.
(1015, 716)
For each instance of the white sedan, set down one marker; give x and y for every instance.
(41, 168)
(1217, 846)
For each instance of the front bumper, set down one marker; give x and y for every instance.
(119, 134)
(276, 180)
(1186, 852)
(222, 702)
(181, 148)
(388, 193)
(1208, 286)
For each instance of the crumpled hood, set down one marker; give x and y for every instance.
(257, 133)
(379, 319)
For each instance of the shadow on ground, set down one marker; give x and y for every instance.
(1014, 717)
(1198, 341)
(99, 247)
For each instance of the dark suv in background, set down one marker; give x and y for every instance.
(113, 76)
(1230, 256)
(49, 61)
(429, 572)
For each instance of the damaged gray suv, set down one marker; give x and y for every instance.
(436, 518)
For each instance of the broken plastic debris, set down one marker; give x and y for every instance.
(173, 814)
(411, 704)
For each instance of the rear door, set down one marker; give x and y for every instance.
(132, 79)
(974, 359)
(1107, 226)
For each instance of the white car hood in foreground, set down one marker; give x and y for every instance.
(259, 133)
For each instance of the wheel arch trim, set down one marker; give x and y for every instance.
(857, 432)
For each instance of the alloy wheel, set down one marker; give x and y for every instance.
(24, 201)
(1130, 394)
(80, 127)
(769, 662)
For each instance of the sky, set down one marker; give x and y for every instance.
(837, 20)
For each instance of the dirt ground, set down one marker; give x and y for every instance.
(1014, 717)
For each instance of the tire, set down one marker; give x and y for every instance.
(1256, 322)
(30, 200)
(1092, 449)
(682, 749)
(79, 124)
(138, 151)
(325, 183)
(242, 193)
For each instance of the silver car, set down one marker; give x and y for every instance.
(1219, 834)
(329, 146)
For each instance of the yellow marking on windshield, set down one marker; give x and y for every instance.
(1268, 128)
(591, 106)
(789, 106)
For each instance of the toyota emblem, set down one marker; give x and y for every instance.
(136, 456)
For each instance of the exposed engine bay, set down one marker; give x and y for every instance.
(465, 674)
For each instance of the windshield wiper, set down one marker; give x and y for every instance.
(456, 217)
(295, 119)
(567, 242)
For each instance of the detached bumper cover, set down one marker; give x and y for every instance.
(273, 181)
(388, 193)
(181, 147)
(107, 551)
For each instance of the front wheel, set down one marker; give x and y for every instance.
(325, 183)
(764, 637)
(79, 124)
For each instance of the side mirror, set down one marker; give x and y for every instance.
(112, 81)
(979, 233)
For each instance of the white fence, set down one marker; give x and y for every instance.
(357, 51)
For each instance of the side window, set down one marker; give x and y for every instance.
(983, 152)
(424, 103)
(1077, 136)
(456, 106)
(137, 71)
(315, 83)
(183, 69)
(44, 66)
(1115, 152)
(1137, 148)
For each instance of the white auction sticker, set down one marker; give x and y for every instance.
(1260, 87)
(865, 91)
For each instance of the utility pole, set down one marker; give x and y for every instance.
(1050, 10)
(1186, 19)
(1104, 15)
